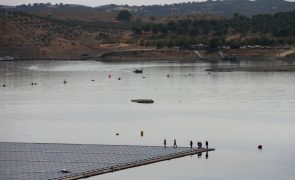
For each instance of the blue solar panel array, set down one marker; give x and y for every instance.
(46, 161)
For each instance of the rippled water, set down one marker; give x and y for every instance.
(234, 111)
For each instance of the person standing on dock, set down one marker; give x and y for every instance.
(174, 145)
(191, 144)
(207, 144)
(199, 145)
(165, 143)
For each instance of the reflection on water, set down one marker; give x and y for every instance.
(234, 111)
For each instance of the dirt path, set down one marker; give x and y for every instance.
(286, 53)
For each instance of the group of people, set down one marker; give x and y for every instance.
(200, 145)
(191, 144)
(174, 143)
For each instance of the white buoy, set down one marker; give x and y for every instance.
(64, 171)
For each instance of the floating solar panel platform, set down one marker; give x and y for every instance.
(75, 161)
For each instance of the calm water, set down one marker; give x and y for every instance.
(234, 111)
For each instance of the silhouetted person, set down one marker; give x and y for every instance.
(200, 144)
(165, 143)
(174, 145)
(191, 144)
(207, 144)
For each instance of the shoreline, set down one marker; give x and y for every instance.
(133, 55)
(279, 68)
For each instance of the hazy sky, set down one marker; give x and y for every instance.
(97, 2)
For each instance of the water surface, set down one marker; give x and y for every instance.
(234, 111)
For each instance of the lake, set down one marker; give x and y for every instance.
(234, 111)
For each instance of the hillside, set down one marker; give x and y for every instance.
(61, 11)
(36, 36)
(31, 36)
(108, 12)
(221, 8)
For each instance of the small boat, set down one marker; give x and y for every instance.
(143, 101)
(138, 71)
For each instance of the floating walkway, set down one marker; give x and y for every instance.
(75, 161)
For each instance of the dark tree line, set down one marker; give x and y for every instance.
(278, 25)
(272, 30)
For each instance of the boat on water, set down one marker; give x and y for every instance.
(138, 71)
(143, 101)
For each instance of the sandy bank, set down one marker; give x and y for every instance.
(285, 68)
(148, 55)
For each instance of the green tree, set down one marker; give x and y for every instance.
(136, 30)
(235, 44)
(124, 15)
(146, 28)
(215, 43)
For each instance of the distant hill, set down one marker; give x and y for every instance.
(63, 31)
(108, 12)
(64, 11)
(218, 7)
(33, 36)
